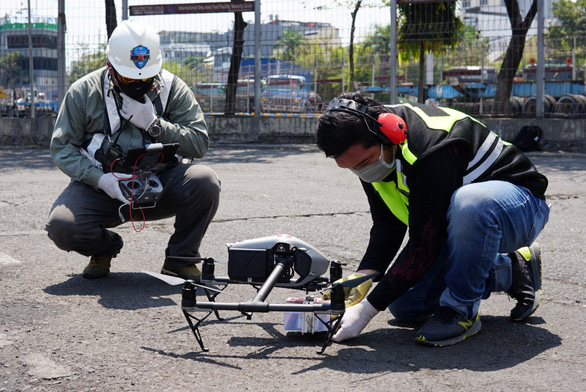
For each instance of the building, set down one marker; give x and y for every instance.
(179, 45)
(14, 38)
(216, 47)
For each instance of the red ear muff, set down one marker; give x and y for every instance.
(393, 127)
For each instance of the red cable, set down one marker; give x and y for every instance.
(132, 189)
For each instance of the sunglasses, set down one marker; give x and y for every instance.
(126, 80)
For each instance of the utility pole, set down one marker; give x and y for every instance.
(61, 27)
(393, 57)
(30, 61)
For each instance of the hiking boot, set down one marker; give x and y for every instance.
(99, 267)
(447, 327)
(526, 282)
(187, 272)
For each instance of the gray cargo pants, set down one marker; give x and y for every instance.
(81, 216)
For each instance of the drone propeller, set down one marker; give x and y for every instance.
(175, 281)
(196, 259)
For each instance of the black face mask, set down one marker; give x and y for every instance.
(136, 90)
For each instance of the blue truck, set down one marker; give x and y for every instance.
(290, 94)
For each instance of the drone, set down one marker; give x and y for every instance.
(279, 261)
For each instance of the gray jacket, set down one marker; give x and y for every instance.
(82, 115)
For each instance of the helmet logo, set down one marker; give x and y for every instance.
(140, 56)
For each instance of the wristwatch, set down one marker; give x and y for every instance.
(155, 128)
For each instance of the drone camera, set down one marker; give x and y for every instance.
(255, 265)
(249, 265)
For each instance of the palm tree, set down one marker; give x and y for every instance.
(424, 28)
(290, 43)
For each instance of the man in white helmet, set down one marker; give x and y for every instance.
(131, 103)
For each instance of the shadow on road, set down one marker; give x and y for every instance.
(127, 291)
(252, 154)
(31, 158)
(501, 344)
(25, 158)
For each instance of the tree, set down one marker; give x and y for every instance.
(351, 46)
(110, 17)
(514, 53)
(569, 30)
(326, 59)
(424, 28)
(11, 68)
(87, 63)
(186, 73)
(237, 48)
(288, 47)
(471, 50)
(356, 5)
(193, 62)
(571, 19)
(379, 40)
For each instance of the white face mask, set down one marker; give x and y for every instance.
(376, 171)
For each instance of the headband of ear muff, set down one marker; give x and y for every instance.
(389, 126)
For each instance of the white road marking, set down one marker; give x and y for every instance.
(6, 260)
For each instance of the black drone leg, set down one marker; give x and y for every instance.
(195, 328)
(332, 327)
(212, 298)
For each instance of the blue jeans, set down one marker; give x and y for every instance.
(486, 221)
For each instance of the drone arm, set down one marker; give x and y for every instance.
(281, 266)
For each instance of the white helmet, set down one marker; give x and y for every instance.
(134, 50)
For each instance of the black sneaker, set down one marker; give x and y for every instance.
(526, 284)
(447, 327)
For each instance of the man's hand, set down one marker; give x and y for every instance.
(110, 183)
(141, 114)
(354, 321)
(352, 295)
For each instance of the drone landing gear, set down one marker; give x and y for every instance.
(335, 308)
(194, 323)
(195, 328)
(332, 327)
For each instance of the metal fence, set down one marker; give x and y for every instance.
(310, 51)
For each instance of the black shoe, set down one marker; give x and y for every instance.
(447, 327)
(526, 284)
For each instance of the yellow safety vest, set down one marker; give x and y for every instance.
(396, 194)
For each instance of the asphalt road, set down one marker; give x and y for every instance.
(59, 332)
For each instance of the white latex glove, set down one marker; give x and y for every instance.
(111, 185)
(141, 114)
(354, 320)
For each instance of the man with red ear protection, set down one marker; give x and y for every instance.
(472, 204)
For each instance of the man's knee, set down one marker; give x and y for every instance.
(407, 314)
(471, 208)
(204, 180)
(60, 226)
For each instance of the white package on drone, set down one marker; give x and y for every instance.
(306, 322)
